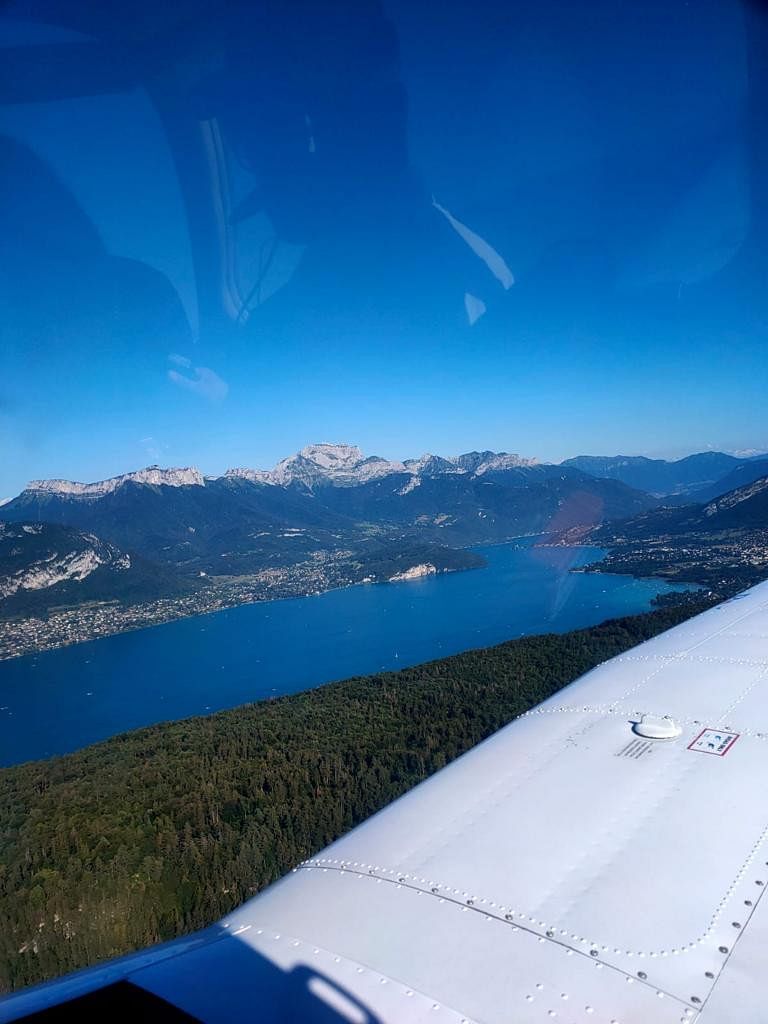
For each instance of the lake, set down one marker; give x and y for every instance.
(61, 700)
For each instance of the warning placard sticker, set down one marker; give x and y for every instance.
(714, 741)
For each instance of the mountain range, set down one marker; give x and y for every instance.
(689, 479)
(722, 543)
(743, 509)
(161, 532)
(695, 478)
(325, 502)
(324, 497)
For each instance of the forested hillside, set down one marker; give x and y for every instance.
(161, 831)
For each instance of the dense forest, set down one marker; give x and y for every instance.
(161, 831)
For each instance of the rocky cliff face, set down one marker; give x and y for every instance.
(188, 477)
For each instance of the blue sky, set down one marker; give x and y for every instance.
(518, 227)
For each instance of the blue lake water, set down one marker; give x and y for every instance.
(61, 700)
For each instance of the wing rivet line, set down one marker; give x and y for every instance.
(501, 913)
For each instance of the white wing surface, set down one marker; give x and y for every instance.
(568, 869)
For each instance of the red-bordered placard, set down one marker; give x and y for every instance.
(714, 741)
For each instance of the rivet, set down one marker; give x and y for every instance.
(736, 924)
(539, 986)
(589, 1009)
(594, 952)
(723, 949)
(708, 974)
(529, 999)
(508, 917)
(695, 999)
(660, 995)
(747, 903)
(758, 882)
(435, 890)
(470, 903)
(642, 975)
(550, 934)
(563, 995)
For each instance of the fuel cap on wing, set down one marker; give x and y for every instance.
(655, 727)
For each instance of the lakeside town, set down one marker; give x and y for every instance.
(89, 621)
(324, 571)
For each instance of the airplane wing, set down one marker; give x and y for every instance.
(603, 858)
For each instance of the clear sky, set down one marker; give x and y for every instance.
(232, 230)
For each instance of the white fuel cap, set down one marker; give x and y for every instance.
(653, 727)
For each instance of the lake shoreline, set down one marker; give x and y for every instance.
(150, 610)
(62, 699)
(16, 643)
